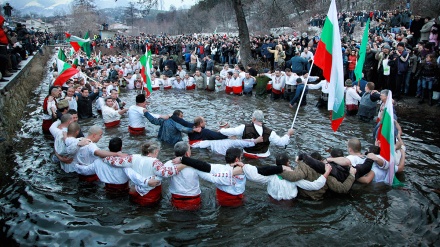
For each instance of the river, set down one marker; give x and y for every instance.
(41, 205)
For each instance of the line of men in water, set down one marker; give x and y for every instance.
(312, 177)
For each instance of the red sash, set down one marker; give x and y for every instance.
(277, 91)
(156, 88)
(352, 107)
(112, 124)
(116, 187)
(228, 90)
(189, 203)
(136, 131)
(268, 87)
(192, 87)
(251, 156)
(150, 199)
(88, 178)
(227, 200)
(46, 125)
(237, 90)
(191, 142)
(167, 87)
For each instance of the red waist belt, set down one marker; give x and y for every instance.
(277, 91)
(112, 124)
(186, 202)
(268, 87)
(192, 87)
(156, 88)
(150, 199)
(136, 131)
(191, 142)
(167, 87)
(117, 187)
(46, 125)
(88, 178)
(227, 200)
(237, 90)
(228, 90)
(251, 156)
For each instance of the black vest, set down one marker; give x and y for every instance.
(250, 132)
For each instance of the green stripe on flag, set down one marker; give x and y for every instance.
(327, 35)
(362, 53)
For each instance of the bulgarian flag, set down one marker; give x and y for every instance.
(329, 58)
(147, 64)
(386, 138)
(65, 72)
(362, 53)
(86, 46)
(61, 55)
(77, 42)
(76, 61)
(98, 58)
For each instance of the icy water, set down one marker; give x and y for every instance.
(41, 205)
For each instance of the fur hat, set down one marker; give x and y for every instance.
(63, 104)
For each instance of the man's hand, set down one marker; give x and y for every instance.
(258, 140)
(84, 142)
(328, 169)
(372, 156)
(197, 129)
(287, 168)
(153, 182)
(177, 160)
(122, 155)
(353, 171)
(290, 132)
(64, 159)
(238, 163)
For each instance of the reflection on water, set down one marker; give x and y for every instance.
(41, 205)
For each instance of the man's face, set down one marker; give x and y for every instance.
(85, 93)
(400, 48)
(74, 117)
(57, 93)
(383, 97)
(277, 73)
(181, 115)
(70, 92)
(114, 95)
(179, 67)
(203, 123)
(96, 137)
(109, 102)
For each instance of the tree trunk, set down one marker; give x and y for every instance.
(243, 33)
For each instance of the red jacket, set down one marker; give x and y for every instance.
(3, 37)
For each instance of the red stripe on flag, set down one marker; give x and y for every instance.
(323, 60)
(385, 147)
(66, 75)
(335, 122)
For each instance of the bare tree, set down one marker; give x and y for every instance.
(243, 32)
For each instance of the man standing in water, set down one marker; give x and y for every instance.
(255, 129)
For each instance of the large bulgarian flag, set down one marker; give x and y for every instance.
(329, 58)
(65, 72)
(386, 138)
(147, 64)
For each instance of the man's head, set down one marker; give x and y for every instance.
(373, 149)
(66, 119)
(233, 155)
(63, 106)
(70, 92)
(114, 94)
(384, 95)
(95, 133)
(258, 116)
(74, 114)
(282, 159)
(199, 122)
(316, 156)
(354, 145)
(337, 152)
(178, 113)
(149, 148)
(141, 100)
(109, 102)
(369, 87)
(115, 144)
(85, 92)
(73, 129)
(182, 149)
(55, 92)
